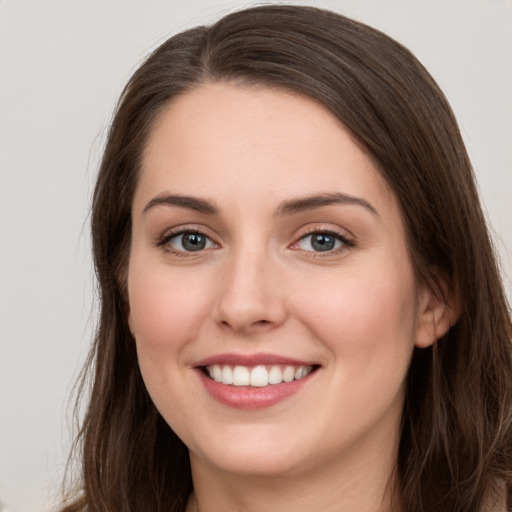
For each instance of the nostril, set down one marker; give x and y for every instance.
(252, 325)
(261, 322)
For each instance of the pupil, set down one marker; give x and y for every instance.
(323, 242)
(193, 242)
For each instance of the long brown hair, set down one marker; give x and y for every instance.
(455, 450)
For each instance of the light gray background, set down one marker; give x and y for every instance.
(62, 65)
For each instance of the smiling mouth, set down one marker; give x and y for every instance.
(256, 376)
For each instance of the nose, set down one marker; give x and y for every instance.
(250, 297)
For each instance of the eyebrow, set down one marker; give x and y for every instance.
(317, 201)
(191, 203)
(288, 207)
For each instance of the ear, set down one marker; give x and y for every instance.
(438, 310)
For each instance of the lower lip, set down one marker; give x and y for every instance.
(246, 397)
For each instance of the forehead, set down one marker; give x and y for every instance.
(225, 138)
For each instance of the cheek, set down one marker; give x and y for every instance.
(367, 313)
(165, 316)
(164, 309)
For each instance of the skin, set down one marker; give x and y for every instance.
(260, 287)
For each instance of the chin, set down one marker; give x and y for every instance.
(256, 463)
(254, 452)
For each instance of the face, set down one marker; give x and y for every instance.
(271, 294)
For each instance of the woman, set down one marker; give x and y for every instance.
(301, 309)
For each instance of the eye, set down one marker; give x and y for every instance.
(188, 241)
(323, 241)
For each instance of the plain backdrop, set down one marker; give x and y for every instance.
(62, 65)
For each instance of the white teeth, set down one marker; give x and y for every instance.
(217, 373)
(275, 375)
(258, 376)
(227, 375)
(289, 374)
(241, 376)
(300, 372)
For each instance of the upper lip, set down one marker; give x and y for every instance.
(251, 360)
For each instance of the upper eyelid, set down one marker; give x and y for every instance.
(187, 228)
(181, 230)
(323, 228)
(335, 234)
(331, 231)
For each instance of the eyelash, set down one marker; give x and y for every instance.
(165, 240)
(346, 243)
